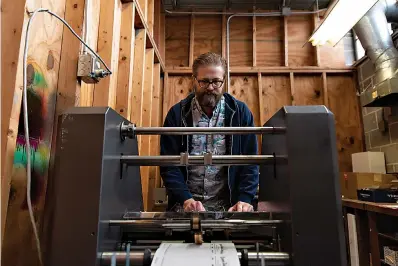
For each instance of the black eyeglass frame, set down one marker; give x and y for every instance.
(210, 82)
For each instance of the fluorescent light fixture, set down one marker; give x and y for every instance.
(343, 16)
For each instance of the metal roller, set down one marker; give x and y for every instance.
(178, 160)
(137, 257)
(129, 130)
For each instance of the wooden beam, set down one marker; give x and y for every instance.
(292, 91)
(146, 122)
(126, 61)
(325, 89)
(162, 38)
(276, 70)
(108, 49)
(285, 41)
(224, 36)
(260, 98)
(86, 95)
(156, 23)
(254, 42)
(150, 15)
(13, 23)
(191, 40)
(138, 76)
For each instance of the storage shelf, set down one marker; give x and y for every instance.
(389, 236)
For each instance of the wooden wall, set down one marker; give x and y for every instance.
(123, 33)
(272, 65)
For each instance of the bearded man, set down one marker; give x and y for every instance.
(210, 188)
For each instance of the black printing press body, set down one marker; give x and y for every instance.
(96, 198)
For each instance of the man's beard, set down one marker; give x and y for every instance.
(208, 99)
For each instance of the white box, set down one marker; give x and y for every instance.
(368, 162)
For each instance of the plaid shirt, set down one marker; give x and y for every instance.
(209, 184)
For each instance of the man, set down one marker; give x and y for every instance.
(211, 188)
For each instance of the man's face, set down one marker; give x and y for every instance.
(209, 84)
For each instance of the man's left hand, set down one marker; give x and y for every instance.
(241, 206)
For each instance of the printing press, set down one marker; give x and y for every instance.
(96, 206)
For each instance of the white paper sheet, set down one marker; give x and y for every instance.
(207, 254)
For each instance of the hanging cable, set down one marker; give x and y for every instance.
(25, 116)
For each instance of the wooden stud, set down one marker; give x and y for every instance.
(292, 87)
(224, 36)
(155, 122)
(325, 89)
(254, 42)
(166, 104)
(151, 15)
(13, 13)
(144, 142)
(87, 90)
(317, 49)
(108, 49)
(260, 98)
(126, 62)
(138, 76)
(285, 41)
(144, 8)
(162, 37)
(157, 27)
(191, 40)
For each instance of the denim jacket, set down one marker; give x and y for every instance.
(242, 180)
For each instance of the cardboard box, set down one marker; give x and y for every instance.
(368, 162)
(386, 195)
(351, 182)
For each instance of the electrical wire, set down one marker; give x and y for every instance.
(25, 115)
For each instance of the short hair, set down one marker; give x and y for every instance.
(209, 59)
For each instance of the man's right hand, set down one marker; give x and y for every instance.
(191, 205)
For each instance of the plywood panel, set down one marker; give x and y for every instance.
(269, 39)
(245, 88)
(274, 95)
(308, 90)
(177, 88)
(299, 30)
(208, 33)
(177, 41)
(43, 64)
(240, 43)
(344, 104)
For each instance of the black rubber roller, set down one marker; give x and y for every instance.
(244, 260)
(147, 258)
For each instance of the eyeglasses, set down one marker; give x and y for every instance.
(205, 83)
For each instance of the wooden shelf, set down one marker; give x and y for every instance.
(271, 70)
(383, 208)
(389, 237)
(140, 23)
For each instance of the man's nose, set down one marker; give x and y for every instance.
(210, 87)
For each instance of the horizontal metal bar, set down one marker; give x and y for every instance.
(137, 257)
(129, 130)
(176, 160)
(186, 225)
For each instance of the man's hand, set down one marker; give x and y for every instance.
(241, 206)
(191, 205)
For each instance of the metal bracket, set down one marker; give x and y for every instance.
(184, 158)
(208, 158)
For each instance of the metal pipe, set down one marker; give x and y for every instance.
(129, 130)
(178, 160)
(372, 31)
(137, 257)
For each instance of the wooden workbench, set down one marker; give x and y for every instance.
(375, 225)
